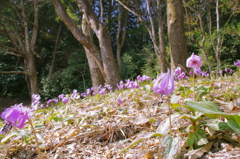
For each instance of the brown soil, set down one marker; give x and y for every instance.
(6, 102)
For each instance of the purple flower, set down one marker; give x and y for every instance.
(181, 76)
(35, 101)
(120, 85)
(102, 91)
(65, 100)
(212, 72)
(139, 78)
(197, 70)
(146, 78)
(16, 116)
(221, 72)
(131, 84)
(164, 84)
(119, 99)
(74, 95)
(230, 71)
(143, 78)
(194, 61)
(177, 71)
(50, 101)
(61, 96)
(107, 86)
(205, 74)
(89, 91)
(237, 63)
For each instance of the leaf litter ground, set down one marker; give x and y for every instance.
(100, 127)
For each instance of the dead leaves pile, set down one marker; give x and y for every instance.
(100, 127)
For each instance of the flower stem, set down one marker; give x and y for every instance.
(35, 135)
(193, 125)
(193, 86)
(170, 120)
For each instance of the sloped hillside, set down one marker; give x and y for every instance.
(134, 123)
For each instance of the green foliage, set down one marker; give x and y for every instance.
(151, 65)
(75, 76)
(142, 62)
(11, 85)
(131, 65)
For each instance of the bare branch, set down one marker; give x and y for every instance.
(12, 20)
(14, 72)
(126, 7)
(10, 36)
(136, 14)
(11, 49)
(11, 53)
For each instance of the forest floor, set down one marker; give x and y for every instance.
(101, 127)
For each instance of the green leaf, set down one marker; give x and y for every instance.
(151, 120)
(232, 124)
(204, 106)
(140, 138)
(211, 110)
(191, 139)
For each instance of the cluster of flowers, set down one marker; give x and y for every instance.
(163, 84)
(100, 89)
(195, 62)
(132, 84)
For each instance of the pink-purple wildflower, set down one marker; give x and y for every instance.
(15, 116)
(75, 95)
(177, 71)
(181, 76)
(164, 84)
(237, 63)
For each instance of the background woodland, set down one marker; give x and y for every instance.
(52, 47)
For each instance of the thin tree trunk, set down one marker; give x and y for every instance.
(55, 50)
(32, 74)
(120, 41)
(202, 44)
(218, 51)
(159, 47)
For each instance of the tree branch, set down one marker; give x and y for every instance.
(11, 53)
(12, 20)
(14, 72)
(136, 14)
(11, 49)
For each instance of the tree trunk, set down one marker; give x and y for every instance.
(55, 51)
(121, 36)
(32, 74)
(177, 39)
(23, 43)
(218, 53)
(96, 75)
(201, 24)
(103, 57)
(112, 76)
(159, 46)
